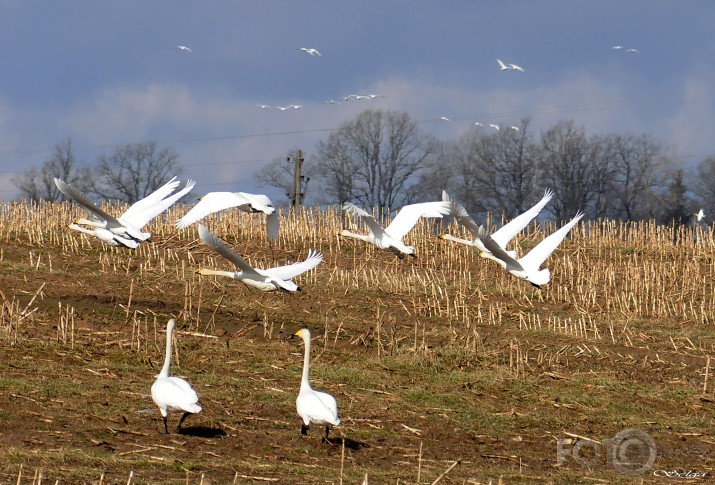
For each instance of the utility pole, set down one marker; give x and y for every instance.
(297, 198)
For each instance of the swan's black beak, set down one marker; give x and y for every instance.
(413, 255)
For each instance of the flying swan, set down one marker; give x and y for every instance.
(173, 393)
(502, 236)
(508, 67)
(527, 267)
(314, 406)
(271, 279)
(390, 238)
(124, 230)
(218, 201)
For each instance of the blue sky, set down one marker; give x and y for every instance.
(107, 73)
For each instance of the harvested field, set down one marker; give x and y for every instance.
(443, 366)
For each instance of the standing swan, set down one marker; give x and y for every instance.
(173, 393)
(314, 406)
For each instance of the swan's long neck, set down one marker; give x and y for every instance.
(215, 272)
(167, 358)
(304, 382)
(449, 237)
(75, 227)
(367, 238)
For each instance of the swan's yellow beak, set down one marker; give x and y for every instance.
(297, 334)
(200, 271)
(441, 236)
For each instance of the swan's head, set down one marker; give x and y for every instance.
(303, 333)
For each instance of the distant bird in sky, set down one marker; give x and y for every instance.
(263, 106)
(282, 108)
(476, 123)
(700, 215)
(509, 67)
(271, 279)
(514, 127)
(616, 47)
(444, 118)
(390, 238)
(218, 201)
(309, 50)
(496, 127)
(183, 48)
(331, 101)
(634, 51)
(295, 106)
(527, 267)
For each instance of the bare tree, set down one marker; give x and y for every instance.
(497, 172)
(374, 159)
(568, 164)
(279, 173)
(37, 183)
(704, 186)
(637, 174)
(132, 172)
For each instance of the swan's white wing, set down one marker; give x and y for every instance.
(220, 248)
(291, 270)
(509, 230)
(87, 204)
(497, 251)
(408, 216)
(318, 407)
(213, 202)
(543, 250)
(141, 218)
(151, 200)
(460, 213)
(502, 66)
(375, 228)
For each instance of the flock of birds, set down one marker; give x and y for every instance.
(173, 394)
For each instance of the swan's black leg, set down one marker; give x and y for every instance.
(166, 426)
(304, 429)
(181, 421)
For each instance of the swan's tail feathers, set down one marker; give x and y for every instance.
(541, 278)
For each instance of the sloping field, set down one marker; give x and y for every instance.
(443, 366)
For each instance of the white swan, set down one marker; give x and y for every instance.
(699, 215)
(271, 279)
(495, 126)
(527, 267)
(128, 225)
(502, 236)
(105, 235)
(218, 201)
(173, 393)
(508, 67)
(309, 50)
(183, 48)
(314, 406)
(390, 238)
